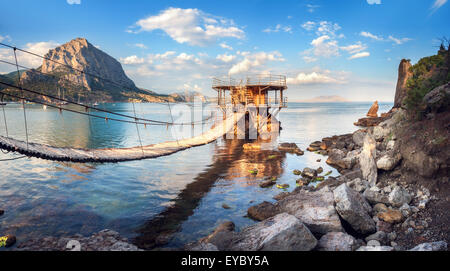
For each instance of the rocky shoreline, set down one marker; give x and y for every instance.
(392, 195)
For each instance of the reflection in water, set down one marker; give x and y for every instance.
(230, 162)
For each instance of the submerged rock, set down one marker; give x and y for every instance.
(354, 209)
(262, 211)
(337, 241)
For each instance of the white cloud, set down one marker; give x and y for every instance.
(140, 45)
(437, 4)
(399, 41)
(278, 28)
(324, 46)
(309, 25)
(311, 8)
(371, 2)
(254, 61)
(327, 28)
(226, 58)
(226, 46)
(24, 59)
(132, 60)
(370, 35)
(190, 26)
(5, 38)
(73, 2)
(317, 77)
(309, 59)
(354, 48)
(359, 55)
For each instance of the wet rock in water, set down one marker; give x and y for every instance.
(283, 186)
(226, 206)
(373, 111)
(367, 160)
(399, 196)
(354, 209)
(303, 182)
(282, 232)
(290, 148)
(337, 241)
(375, 248)
(262, 211)
(297, 172)
(268, 183)
(315, 209)
(319, 170)
(391, 216)
(369, 122)
(434, 246)
(379, 236)
(10, 240)
(309, 173)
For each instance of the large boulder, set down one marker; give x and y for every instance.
(373, 111)
(354, 209)
(374, 195)
(283, 232)
(403, 75)
(358, 137)
(335, 158)
(367, 160)
(315, 209)
(337, 241)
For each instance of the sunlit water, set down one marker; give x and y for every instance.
(43, 198)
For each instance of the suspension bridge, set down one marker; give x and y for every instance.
(30, 149)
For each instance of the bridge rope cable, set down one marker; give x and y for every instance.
(138, 133)
(75, 103)
(148, 122)
(23, 94)
(4, 115)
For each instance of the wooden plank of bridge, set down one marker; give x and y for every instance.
(118, 154)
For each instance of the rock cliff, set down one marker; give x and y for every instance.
(404, 74)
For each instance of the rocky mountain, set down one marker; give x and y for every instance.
(83, 56)
(79, 71)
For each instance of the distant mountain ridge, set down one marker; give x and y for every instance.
(109, 83)
(325, 99)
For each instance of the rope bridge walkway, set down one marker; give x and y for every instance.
(94, 155)
(118, 154)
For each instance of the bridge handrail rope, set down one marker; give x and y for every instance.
(75, 103)
(23, 95)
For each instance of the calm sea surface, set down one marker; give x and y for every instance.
(181, 194)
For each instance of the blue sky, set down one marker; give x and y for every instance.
(349, 48)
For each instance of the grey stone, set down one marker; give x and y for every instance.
(367, 160)
(283, 232)
(337, 241)
(354, 209)
(379, 236)
(315, 209)
(399, 196)
(373, 243)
